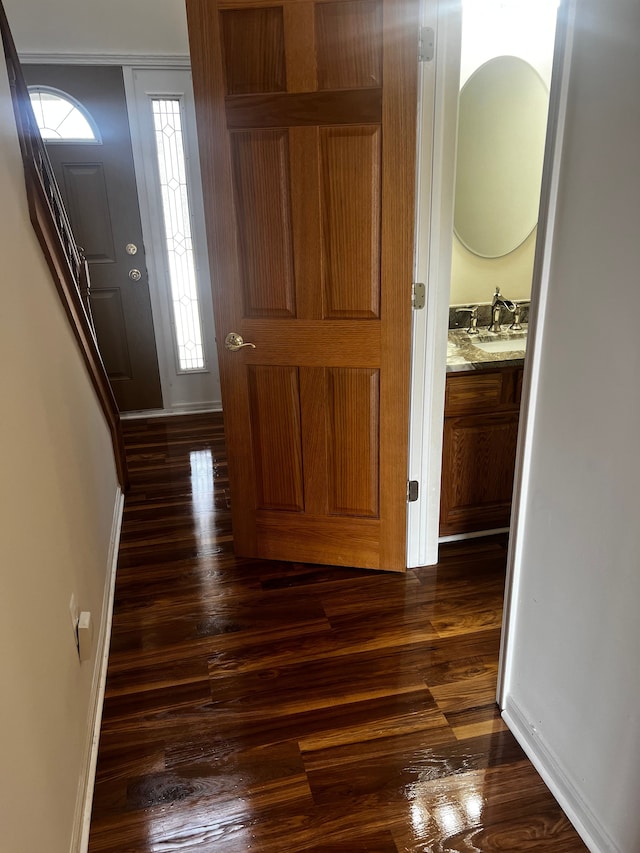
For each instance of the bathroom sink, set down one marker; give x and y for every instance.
(497, 345)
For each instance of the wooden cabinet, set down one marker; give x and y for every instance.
(480, 435)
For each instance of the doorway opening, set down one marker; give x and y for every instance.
(98, 186)
(487, 97)
(123, 146)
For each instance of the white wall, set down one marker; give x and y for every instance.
(573, 671)
(58, 492)
(137, 27)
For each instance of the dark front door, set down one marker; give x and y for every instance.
(98, 185)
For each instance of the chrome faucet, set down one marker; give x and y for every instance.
(472, 329)
(516, 326)
(499, 302)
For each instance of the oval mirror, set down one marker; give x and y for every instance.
(501, 134)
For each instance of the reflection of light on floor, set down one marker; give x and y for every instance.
(447, 807)
(450, 819)
(473, 806)
(418, 819)
(168, 830)
(201, 463)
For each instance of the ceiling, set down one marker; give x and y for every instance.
(95, 27)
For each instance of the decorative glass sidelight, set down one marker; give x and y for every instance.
(167, 119)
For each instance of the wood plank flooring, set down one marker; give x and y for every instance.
(265, 706)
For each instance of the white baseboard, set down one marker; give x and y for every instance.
(81, 824)
(187, 409)
(460, 537)
(558, 781)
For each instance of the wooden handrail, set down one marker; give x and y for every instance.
(66, 261)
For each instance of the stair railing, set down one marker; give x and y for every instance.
(65, 259)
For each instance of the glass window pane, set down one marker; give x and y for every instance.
(60, 118)
(167, 121)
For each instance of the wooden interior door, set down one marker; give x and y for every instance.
(98, 185)
(307, 127)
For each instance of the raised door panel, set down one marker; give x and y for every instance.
(111, 332)
(253, 47)
(349, 44)
(274, 396)
(86, 192)
(350, 205)
(353, 398)
(262, 201)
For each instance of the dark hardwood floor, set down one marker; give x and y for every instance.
(264, 706)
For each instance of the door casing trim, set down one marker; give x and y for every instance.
(432, 265)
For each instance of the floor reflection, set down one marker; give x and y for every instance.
(202, 488)
(441, 810)
(268, 706)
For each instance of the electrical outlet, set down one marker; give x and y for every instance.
(85, 635)
(75, 616)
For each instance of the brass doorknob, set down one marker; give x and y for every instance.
(234, 342)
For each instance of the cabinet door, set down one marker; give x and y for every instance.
(478, 468)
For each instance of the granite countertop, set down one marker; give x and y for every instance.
(463, 355)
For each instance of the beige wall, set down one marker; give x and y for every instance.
(58, 491)
(474, 279)
(139, 27)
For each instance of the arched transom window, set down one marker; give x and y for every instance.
(61, 118)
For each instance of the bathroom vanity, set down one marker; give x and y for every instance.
(482, 405)
(502, 119)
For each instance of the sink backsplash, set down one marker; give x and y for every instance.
(461, 321)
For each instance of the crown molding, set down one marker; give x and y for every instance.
(135, 60)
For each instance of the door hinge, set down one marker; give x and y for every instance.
(426, 44)
(419, 295)
(412, 491)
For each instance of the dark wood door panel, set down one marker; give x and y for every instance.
(349, 45)
(274, 394)
(253, 45)
(353, 397)
(263, 201)
(350, 205)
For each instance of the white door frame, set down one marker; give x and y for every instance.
(197, 390)
(437, 135)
